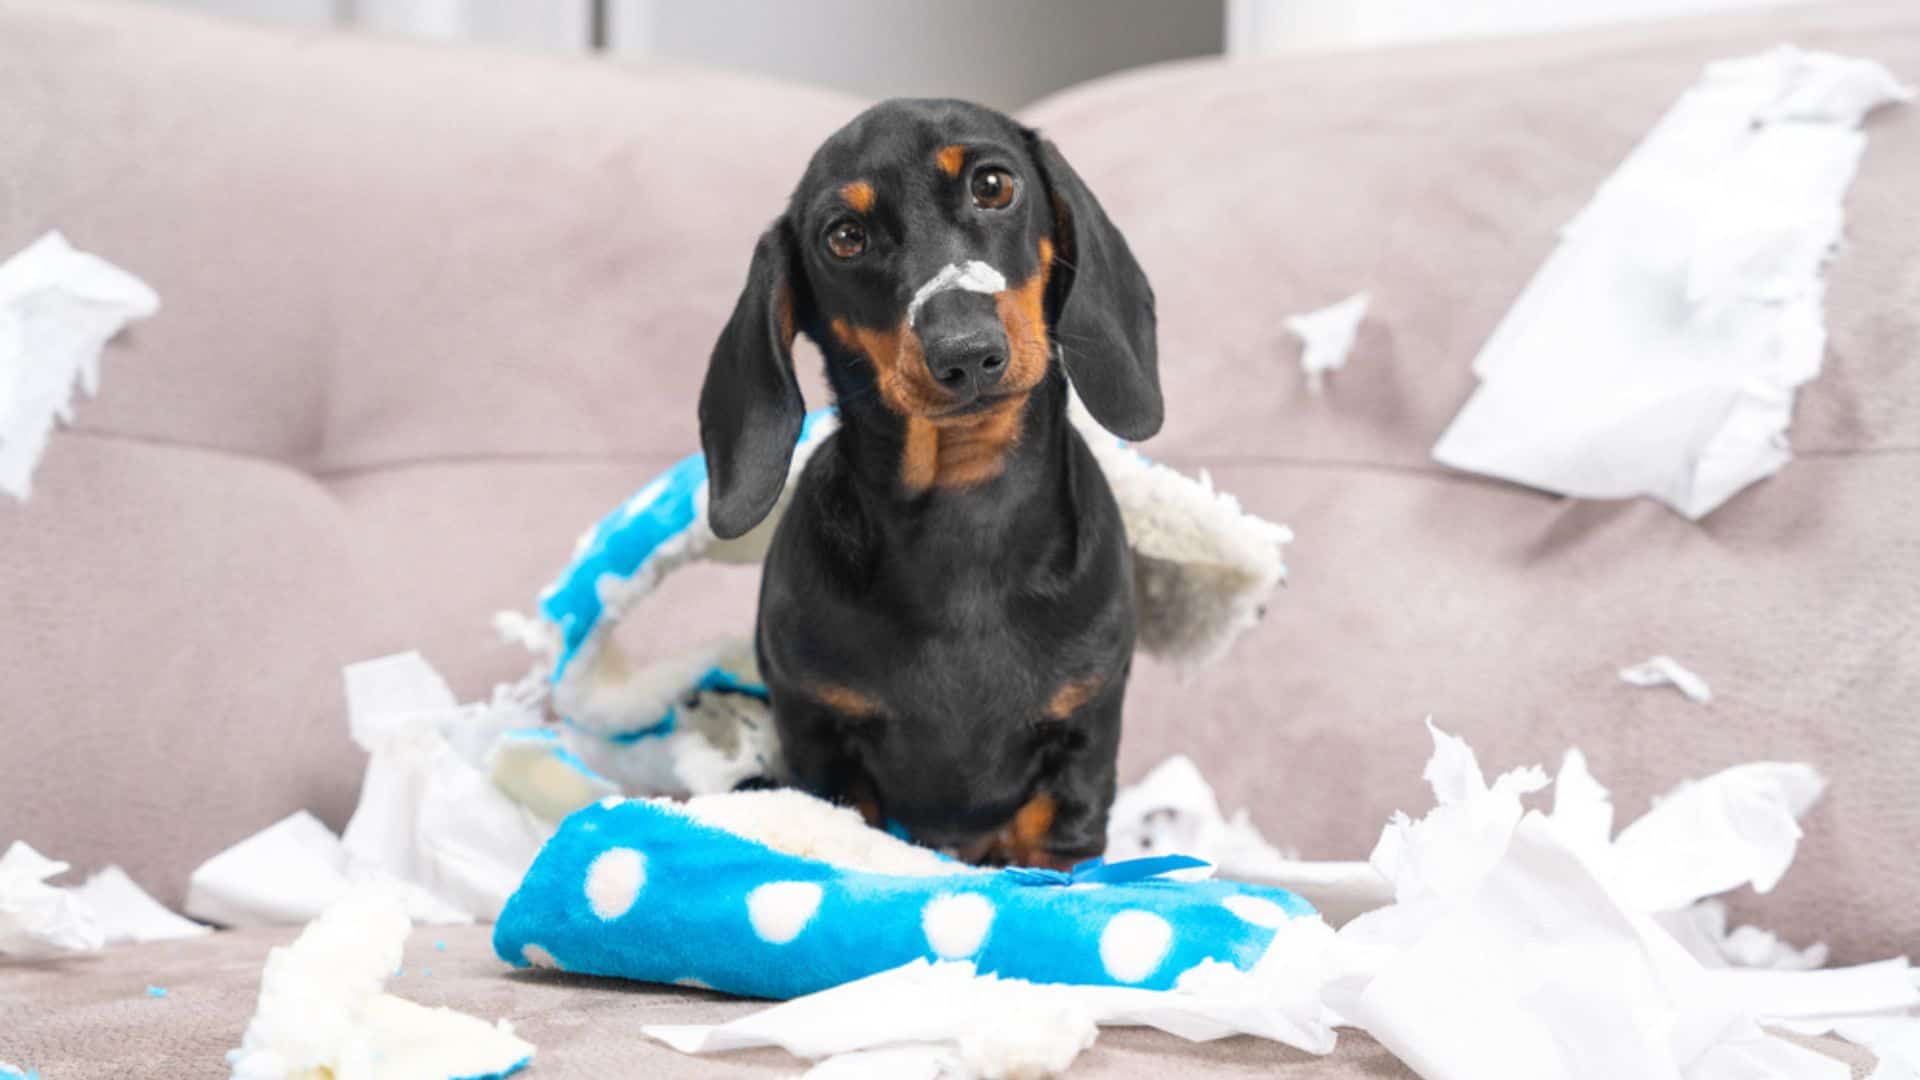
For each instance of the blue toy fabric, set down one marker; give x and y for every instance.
(662, 525)
(642, 890)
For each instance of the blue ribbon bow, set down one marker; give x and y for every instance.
(1102, 872)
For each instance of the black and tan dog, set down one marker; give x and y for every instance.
(946, 620)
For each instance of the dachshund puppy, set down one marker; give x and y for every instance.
(946, 620)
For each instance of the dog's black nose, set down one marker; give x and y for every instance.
(967, 364)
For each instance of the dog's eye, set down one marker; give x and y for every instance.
(992, 188)
(846, 238)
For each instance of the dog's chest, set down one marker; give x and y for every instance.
(947, 627)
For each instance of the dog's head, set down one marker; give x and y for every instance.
(937, 252)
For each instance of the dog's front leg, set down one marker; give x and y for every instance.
(814, 745)
(1066, 821)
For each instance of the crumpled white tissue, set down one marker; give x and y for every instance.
(322, 1010)
(430, 822)
(995, 1027)
(1739, 826)
(58, 309)
(38, 919)
(1326, 337)
(128, 914)
(1703, 931)
(1518, 945)
(1658, 350)
(1572, 973)
(1666, 671)
(1174, 810)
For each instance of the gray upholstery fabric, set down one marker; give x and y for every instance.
(90, 1018)
(428, 312)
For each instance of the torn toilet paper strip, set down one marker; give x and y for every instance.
(1326, 337)
(1658, 350)
(430, 823)
(987, 1019)
(42, 919)
(38, 919)
(1666, 671)
(1173, 810)
(58, 309)
(128, 915)
(1556, 917)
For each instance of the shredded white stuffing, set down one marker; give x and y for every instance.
(323, 1011)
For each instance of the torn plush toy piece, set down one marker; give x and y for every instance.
(1562, 925)
(323, 1012)
(1658, 350)
(697, 722)
(58, 309)
(778, 894)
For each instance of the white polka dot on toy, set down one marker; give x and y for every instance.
(539, 957)
(1258, 911)
(779, 910)
(614, 881)
(956, 924)
(1133, 944)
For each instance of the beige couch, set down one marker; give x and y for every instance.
(430, 311)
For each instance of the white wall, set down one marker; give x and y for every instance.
(1002, 52)
(1256, 27)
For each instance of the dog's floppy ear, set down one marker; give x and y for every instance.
(750, 406)
(1100, 306)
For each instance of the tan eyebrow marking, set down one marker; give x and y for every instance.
(858, 195)
(950, 159)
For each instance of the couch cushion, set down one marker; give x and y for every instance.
(375, 251)
(580, 1026)
(424, 324)
(427, 313)
(1437, 177)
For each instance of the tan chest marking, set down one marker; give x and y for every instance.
(845, 701)
(1072, 697)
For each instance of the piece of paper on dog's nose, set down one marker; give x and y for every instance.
(58, 309)
(1658, 349)
(975, 276)
(1326, 337)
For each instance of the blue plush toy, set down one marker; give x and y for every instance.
(776, 894)
(697, 722)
